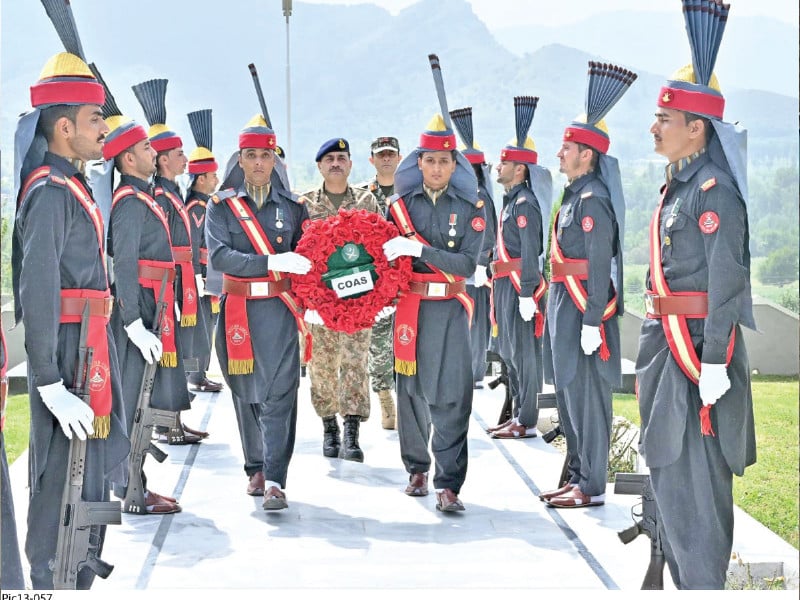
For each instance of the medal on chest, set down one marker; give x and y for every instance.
(452, 223)
(278, 218)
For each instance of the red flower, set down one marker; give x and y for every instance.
(324, 237)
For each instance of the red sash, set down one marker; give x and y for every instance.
(99, 372)
(407, 313)
(188, 284)
(169, 357)
(514, 275)
(237, 328)
(576, 289)
(676, 328)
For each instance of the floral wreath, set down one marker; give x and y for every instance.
(355, 237)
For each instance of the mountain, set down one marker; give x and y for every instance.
(356, 72)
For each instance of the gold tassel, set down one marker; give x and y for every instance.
(240, 367)
(215, 307)
(102, 427)
(188, 320)
(495, 330)
(169, 359)
(405, 367)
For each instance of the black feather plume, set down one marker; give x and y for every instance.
(152, 95)
(109, 108)
(60, 13)
(200, 122)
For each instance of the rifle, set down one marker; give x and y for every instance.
(548, 400)
(77, 546)
(144, 419)
(506, 410)
(638, 484)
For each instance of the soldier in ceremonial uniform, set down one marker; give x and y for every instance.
(693, 374)
(338, 368)
(519, 284)
(479, 285)
(252, 230)
(441, 222)
(59, 269)
(585, 295)
(203, 182)
(171, 163)
(384, 156)
(11, 577)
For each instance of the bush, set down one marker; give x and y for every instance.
(781, 267)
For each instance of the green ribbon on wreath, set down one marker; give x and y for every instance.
(349, 260)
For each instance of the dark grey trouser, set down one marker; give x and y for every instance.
(247, 419)
(695, 499)
(588, 407)
(278, 420)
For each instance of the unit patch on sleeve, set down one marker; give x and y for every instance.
(587, 224)
(478, 224)
(521, 221)
(709, 222)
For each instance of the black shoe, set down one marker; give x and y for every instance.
(330, 441)
(350, 449)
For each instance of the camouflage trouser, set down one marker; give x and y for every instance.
(381, 356)
(338, 372)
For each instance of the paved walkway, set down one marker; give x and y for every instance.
(350, 529)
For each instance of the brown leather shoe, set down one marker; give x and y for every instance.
(447, 501)
(156, 505)
(499, 427)
(575, 498)
(417, 484)
(513, 431)
(201, 434)
(544, 496)
(206, 386)
(274, 499)
(256, 485)
(163, 497)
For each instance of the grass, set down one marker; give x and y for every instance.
(768, 491)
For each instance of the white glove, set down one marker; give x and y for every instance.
(289, 262)
(147, 343)
(312, 317)
(386, 311)
(201, 285)
(481, 276)
(72, 412)
(713, 383)
(402, 246)
(590, 339)
(527, 308)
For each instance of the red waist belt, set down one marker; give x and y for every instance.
(256, 289)
(694, 305)
(203, 256)
(501, 268)
(182, 253)
(98, 307)
(156, 273)
(579, 269)
(432, 289)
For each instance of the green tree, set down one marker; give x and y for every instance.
(781, 267)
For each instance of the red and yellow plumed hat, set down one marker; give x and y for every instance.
(694, 88)
(522, 148)
(607, 84)
(201, 159)
(152, 95)
(462, 121)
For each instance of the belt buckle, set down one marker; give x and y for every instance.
(649, 304)
(259, 288)
(437, 290)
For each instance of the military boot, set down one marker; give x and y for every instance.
(331, 443)
(351, 450)
(387, 409)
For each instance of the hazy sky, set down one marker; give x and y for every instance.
(503, 13)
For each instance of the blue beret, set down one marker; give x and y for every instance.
(334, 145)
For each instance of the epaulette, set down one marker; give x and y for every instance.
(223, 195)
(708, 184)
(392, 199)
(586, 195)
(521, 199)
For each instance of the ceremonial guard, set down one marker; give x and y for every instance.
(203, 182)
(384, 156)
(170, 164)
(139, 244)
(251, 230)
(61, 288)
(692, 369)
(441, 223)
(338, 368)
(479, 285)
(586, 297)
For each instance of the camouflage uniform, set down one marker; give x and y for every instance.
(381, 352)
(338, 367)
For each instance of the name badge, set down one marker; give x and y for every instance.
(349, 285)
